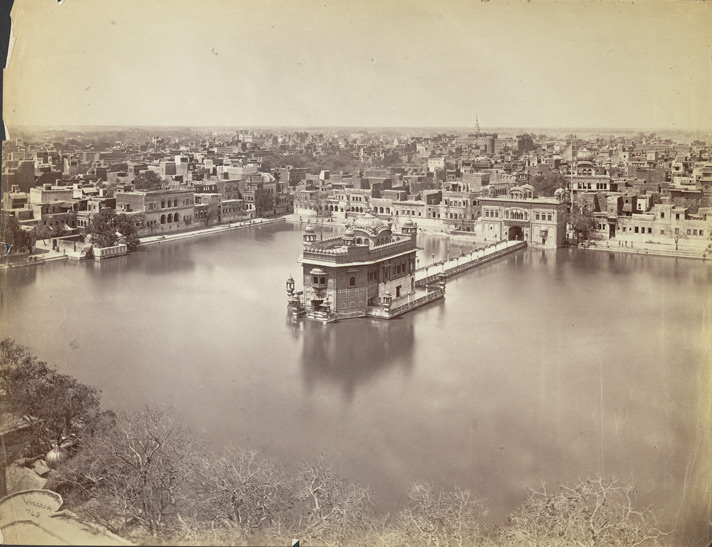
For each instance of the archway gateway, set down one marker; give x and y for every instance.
(515, 233)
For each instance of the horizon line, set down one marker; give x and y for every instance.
(327, 126)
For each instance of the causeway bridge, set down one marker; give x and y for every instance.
(455, 265)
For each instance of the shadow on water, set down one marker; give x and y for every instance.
(353, 353)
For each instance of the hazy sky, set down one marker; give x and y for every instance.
(377, 63)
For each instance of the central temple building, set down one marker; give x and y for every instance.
(368, 271)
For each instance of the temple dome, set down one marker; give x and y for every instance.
(370, 223)
(309, 228)
(584, 155)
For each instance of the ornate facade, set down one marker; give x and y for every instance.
(364, 272)
(541, 222)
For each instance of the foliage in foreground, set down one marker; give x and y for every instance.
(146, 477)
(55, 406)
(593, 512)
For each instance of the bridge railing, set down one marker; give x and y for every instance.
(465, 262)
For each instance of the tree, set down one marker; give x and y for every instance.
(12, 234)
(103, 229)
(42, 231)
(107, 224)
(594, 512)
(264, 202)
(137, 472)
(127, 228)
(58, 231)
(441, 518)
(547, 184)
(54, 405)
(583, 222)
(332, 510)
(243, 493)
(147, 181)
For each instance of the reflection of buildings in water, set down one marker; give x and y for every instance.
(544, 259)
(154, 260)
(294, 327)
(109, 264)
(351, 353)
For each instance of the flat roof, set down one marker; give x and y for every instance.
(352, 264)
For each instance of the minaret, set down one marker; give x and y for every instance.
(477, 125)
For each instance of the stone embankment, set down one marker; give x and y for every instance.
(43, 255)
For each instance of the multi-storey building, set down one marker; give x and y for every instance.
(541, 222)
(359, 272)
(158, 211)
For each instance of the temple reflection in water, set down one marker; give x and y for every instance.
(335, 355)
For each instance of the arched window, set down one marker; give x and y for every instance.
(352, 282)
(170, 218)
(163, 204)
(322, 281)
(175, 217)
(163, 219)
(315, 280)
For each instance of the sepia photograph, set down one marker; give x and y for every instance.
(423, 273)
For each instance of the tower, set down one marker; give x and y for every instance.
(409, 228)
(309, 236)
(477, 124)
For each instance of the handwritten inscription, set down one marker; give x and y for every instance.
(37, 509)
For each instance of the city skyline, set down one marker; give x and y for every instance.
(223, 64)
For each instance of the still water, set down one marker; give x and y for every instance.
(548, 366)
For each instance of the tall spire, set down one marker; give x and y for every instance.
(477, 124)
